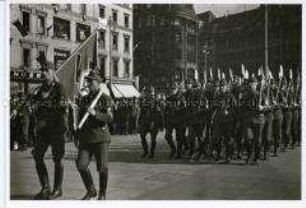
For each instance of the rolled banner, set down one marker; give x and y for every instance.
(93, 104)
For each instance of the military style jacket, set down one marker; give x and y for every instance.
(50, 109)
(175, 109)
(95, 128)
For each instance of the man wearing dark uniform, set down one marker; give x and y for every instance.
(268, 127)
(237, 90)
(295, 116)
(278, 104)
(252, 106)
(174, 117)
(196, 121)
(93, 138)
(223, 122)
(149, 121)
(287, 115)
(51, 128)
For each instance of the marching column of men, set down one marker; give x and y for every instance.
(214, 121)
(221, 119)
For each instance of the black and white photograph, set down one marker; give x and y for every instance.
(155, 101)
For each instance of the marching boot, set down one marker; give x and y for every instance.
(45, 192)
(179, 150)
(152, 149)
(58, 179)
(103, 178)
(145, 147)
(88, 182)
(172, 147)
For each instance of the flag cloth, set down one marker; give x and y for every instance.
(231, 74)
(211, 75)
(83, 57)
(281, 72)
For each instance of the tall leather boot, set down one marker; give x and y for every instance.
(58, 179)
(42, 172)
(144, 146)
(179, 149)
(152, 148)
(103, 178)
(172, 147)
(88, 182)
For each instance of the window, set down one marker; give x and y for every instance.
(126, 43)
(60, 57)
(115, 16)
(26, 21)
(66, 7)
(41, 25)
(41, 53)
(101, 11)
(82, 32)
(102, 65)
(126, 20)
(26, 57)
(115, 41)
(101, 40)
(61, 28)
(127, 68)
(178, 37)
(83, 9)
(115, 67)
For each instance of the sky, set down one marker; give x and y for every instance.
(224, 9)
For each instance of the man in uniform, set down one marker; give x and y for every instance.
(278, 104)
(268, 113)
(149, 121)
(252, 104)
(51, 128)
(174, 117)
(93, 138)
(296, 115)
(287, 115)
(237, 90)
(223, 122)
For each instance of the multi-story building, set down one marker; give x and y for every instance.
(165, 36)
(229, 41)
(56, 30)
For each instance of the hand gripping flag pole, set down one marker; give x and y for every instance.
(92, 105)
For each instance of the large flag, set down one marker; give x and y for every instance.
(84, 57)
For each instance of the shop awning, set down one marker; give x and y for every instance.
(127, 90)
(116, 92)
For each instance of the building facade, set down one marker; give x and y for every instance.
(165, 37)
(229, 41)
(56, 30)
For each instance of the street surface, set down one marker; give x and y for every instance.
(134, 178)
